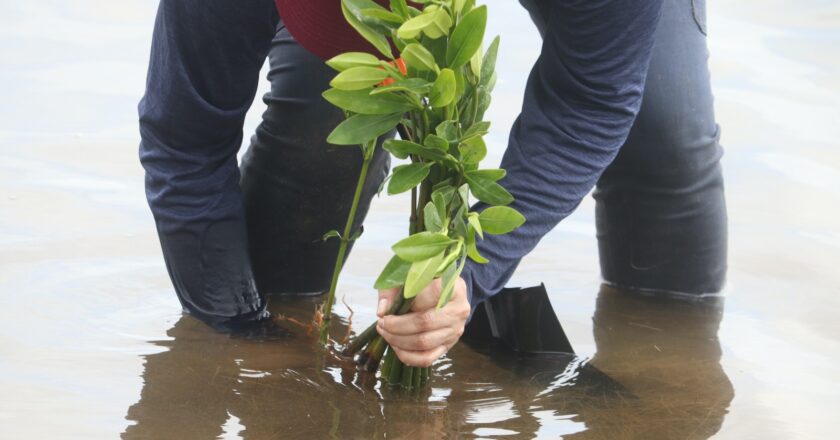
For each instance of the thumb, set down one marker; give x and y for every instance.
(386, 298)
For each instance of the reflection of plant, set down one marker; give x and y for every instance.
(436, 93)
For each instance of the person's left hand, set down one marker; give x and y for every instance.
(424, 334)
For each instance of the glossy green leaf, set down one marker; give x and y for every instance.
(447, 130)
(488, 64)
(443, 90)
(466, 38)
(435, 23)
(383, 15)
(394, 274)
(417, 86)
(436, 142)
(357, 78)
(359, 129)
(377, 40)
(418, 57)
(477, 129)
(448, 281)
(421, 245)
(352, 59)
(402, 149)
(361, 101)
(431, 218)
(472, 218)
(472, 251)
(473, 150)
(485, 188)
(406, 177)
(421, 274)
(500, 219)
(400, 7)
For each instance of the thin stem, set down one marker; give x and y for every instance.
(342, 248)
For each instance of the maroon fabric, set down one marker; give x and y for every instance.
(320, 27)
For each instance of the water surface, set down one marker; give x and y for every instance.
(93, 344)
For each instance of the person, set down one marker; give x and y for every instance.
(619, 99)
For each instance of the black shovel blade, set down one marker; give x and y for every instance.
(521, 319)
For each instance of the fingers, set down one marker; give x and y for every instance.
(386, 298)
(423, 341)
(420, 358)
(428, 297)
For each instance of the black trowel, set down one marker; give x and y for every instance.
(521, 320)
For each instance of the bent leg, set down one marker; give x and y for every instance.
(296, 186)
(660, 208)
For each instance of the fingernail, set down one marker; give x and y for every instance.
(383, 304)
(381, 322)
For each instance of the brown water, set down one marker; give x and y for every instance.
(93, 345)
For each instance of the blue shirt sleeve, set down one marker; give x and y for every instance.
(203, 73)
(581, 99)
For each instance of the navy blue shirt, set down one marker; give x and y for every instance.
(580, 101)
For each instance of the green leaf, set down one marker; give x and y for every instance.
(488, 65)
(406, 177)
(331, 234)
(439, 200)
(434, 23)
(352, 59)
(401, 149)
(493, 174)
(417, 86)
(477, 129)
(421, 274)
(486, 189)
(393, 274)
(400, 7)
(357, 78)
(472, 150)
(421, 245)
(448, 280)
(361, 101)
(475, 223)
(359, 129)
(472, 251)
(443, 90)
(475, 63)
(431, 218)
(418, 57)
(500, 219)
(467, 37)
(377, 40)
(447, 130)
(382, 14)
(436, 142)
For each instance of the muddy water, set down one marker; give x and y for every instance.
(93, 345)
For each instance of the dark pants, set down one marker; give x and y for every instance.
(661, 214)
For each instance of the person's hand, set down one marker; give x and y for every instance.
(424, 334)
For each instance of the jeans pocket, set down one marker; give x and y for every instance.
(698, 10)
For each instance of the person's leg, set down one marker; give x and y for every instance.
(295, 185)
(661, 213)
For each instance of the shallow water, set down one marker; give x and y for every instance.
(93, 345)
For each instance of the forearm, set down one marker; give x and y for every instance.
(580, 102)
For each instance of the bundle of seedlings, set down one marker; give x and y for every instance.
(432, 81)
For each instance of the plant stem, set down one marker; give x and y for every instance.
(342, 248)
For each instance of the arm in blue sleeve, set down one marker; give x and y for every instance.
(581, 99)
(203, 73)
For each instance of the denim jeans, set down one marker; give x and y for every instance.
(661, 214)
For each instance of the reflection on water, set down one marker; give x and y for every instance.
(84, 289)
(656, 374)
